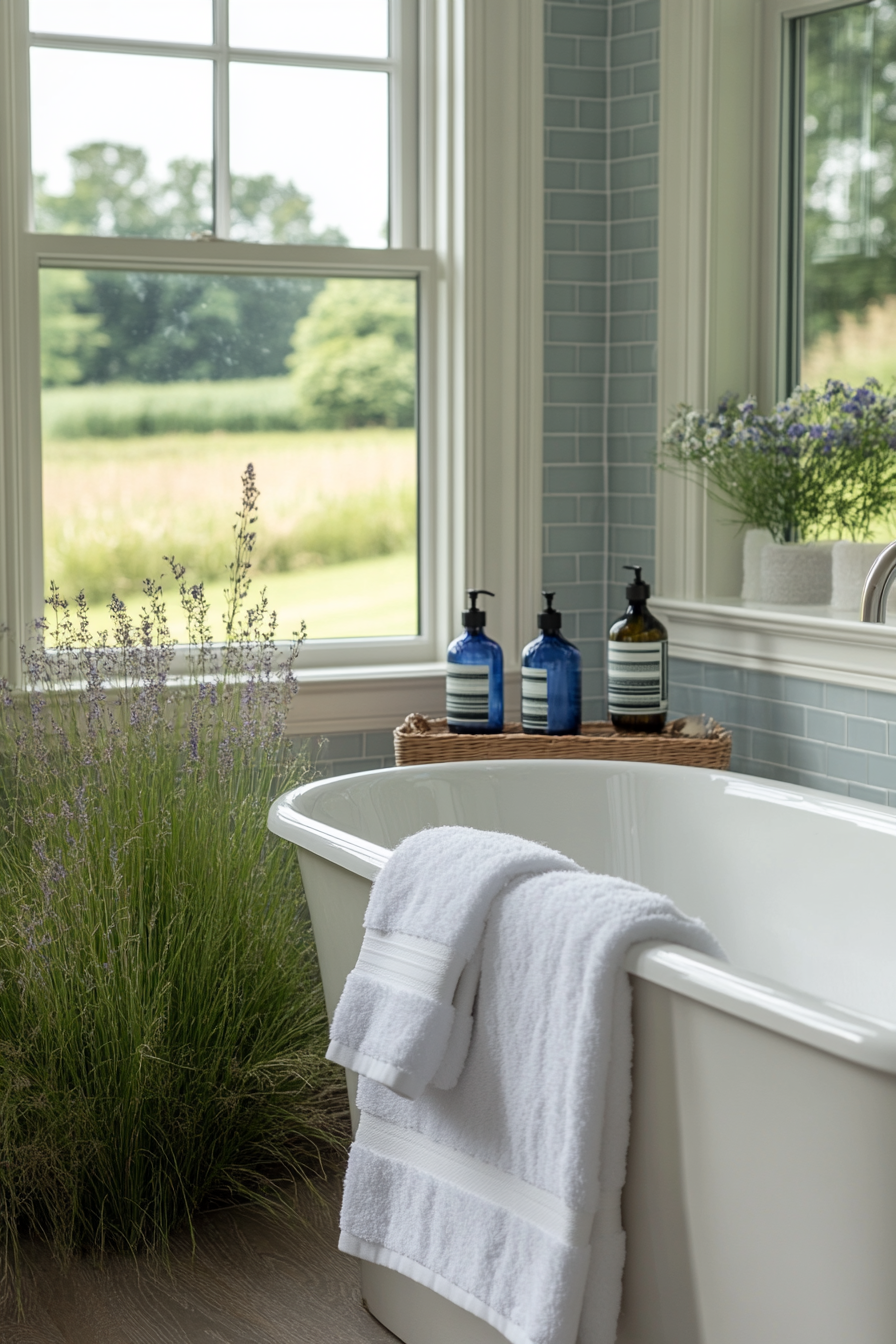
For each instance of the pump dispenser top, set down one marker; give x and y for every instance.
(637, 590)
(549, 621)
(474, 618)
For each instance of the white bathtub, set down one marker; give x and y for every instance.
(760, 1204)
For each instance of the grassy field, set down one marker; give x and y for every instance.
(126, 410)
(332, 505)
(861, 347)
(363, 598)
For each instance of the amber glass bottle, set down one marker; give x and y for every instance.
(638, 664)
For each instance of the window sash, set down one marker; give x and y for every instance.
(236, 258)
(400, 66)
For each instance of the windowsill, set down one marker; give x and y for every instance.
(815, 642)
(355, 699)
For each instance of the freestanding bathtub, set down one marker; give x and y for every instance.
(760, 1205)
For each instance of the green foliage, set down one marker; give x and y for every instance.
(69, 339)
(849, 226)
(130, 410)
(355, 355)
(155, 327)
(822, 464)
(160, 328)
(162, 1025)
(112, 193)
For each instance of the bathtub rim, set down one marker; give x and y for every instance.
(820, 1023)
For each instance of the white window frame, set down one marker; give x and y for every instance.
(477, 209)
(723, 146)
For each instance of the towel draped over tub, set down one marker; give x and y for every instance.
(501, 1189)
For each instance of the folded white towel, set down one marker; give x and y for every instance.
(404, 1018)
(504, 1194)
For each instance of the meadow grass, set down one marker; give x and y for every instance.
(863, 346)
(125, 410)
(162, 1025)
(114, 508)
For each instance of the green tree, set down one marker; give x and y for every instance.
(113, 194)
(69, 339)
(354, 355)
(157, 327)
(849, 171)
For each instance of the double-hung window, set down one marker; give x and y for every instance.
(218, 238)
(299, 235)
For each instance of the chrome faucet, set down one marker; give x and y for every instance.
(877, 586)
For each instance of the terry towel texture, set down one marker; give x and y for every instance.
(404, 1018)
(504, 1193)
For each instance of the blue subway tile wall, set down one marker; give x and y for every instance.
(800, 732)
(575, 300)
(349, 753)
(601, 76)
(632, 291)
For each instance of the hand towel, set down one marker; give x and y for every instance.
(504, 1194)
(404, 1017)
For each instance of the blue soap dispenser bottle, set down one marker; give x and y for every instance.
(552, 678)
(474, 685)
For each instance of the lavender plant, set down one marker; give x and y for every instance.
(162, 1025)
(823, 463)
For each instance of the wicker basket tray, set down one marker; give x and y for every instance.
(422, 741)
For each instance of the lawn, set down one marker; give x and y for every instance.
(362, 598)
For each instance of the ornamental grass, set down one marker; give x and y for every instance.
(162, 1025)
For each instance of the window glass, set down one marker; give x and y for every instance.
(160, 389)
(342, 169)
(121, 144)
(336, 28)
(159, 21)
(849, 194)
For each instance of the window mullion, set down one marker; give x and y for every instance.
(221, 170)
(403, 117)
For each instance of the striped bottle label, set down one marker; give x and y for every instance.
(466, 693)
(535, 699)
(638, 677)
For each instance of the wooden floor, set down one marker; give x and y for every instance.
(252, 1280)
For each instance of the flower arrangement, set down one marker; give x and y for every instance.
(823, 463)
(162, 1025)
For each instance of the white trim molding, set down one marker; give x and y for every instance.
(845, 653)
(708, 294)
(366, 699)
(504, 306)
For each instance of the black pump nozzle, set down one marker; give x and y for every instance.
(638, 591)
(549, 621)
(474, 618)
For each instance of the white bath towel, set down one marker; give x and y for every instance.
(404, 1018)
(504, 1194)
